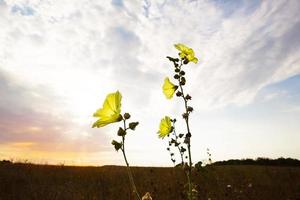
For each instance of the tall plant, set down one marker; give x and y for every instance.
(181, 142)
(111, 113)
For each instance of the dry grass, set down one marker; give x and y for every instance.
(36, 182)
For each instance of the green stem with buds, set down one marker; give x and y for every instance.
(127, 165)
(188, 136)
(176, 137)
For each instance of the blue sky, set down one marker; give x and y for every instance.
(59, 59)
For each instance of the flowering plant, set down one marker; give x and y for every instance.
(181, 142)
(111, 113)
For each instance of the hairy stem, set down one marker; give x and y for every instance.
(181, 153)
(189, 136)
(128, 167)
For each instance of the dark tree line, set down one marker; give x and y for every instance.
(261, 161)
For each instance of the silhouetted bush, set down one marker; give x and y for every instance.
(261, 161)
(4, 162)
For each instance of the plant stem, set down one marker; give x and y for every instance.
(128, 167)
(181, 153)
(189, 138)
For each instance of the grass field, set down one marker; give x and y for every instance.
(45, 182)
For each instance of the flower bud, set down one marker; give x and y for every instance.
(172, 128)
(126, 116)
(121, 132)
(188, 97)
(182, 73)
(187, 140)
(182, 81)
(171, 59)
(178, 93)
(177, 70)
(185, 61)
(182, 149)
(132, 125)
(190, 109)
(185, 115)
(120, 118)
(176, 76)
(117, 145)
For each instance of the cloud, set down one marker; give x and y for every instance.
(30, 116)
(58, 60)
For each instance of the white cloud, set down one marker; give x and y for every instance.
(81, 50)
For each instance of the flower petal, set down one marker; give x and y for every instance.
(168, 88)
(165, 127)
(110, 111)
(180, 47)
(186, 52)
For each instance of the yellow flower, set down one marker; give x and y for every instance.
(110, 111)
(186, 52)
(169, 88)
(165, 127)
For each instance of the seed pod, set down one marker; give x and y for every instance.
(126, 116)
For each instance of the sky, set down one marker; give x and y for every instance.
(60, 58)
